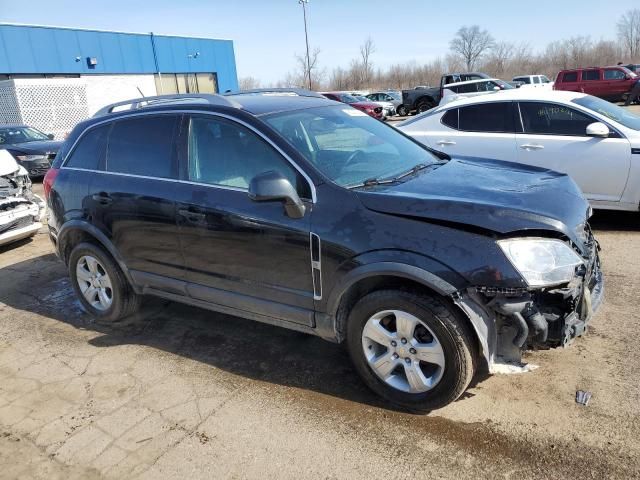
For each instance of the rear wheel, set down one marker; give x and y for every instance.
(425, 105)
(413, 350)
(100, 285)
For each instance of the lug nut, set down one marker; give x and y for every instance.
(393, 343)
(395, 356)
(412, 351)
(404, 340)
(407, 360)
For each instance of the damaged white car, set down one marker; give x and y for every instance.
(21, 211)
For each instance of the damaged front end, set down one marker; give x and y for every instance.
(508, 321)
(21, 211)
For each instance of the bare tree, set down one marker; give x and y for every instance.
(499, 58)
(366, 49)
(629, 32)
(471, 44)
(248, 83)
(310, 69)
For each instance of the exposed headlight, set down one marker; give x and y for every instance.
(541, 262)
(30, 158)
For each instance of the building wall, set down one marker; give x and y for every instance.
(105, 89)
(60, 51)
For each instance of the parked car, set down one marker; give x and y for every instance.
(471, 88)
(391, 96)
(310, 215)
(610, 83)
(370, 108)
(422, 99)
(21, 211)
(537, 81)
(634, 67)
(32, 149)
(388, 110)
(594, 141)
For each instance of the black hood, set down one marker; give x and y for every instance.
(488, 195)
(38, 147)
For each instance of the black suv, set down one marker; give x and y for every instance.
(302, 212)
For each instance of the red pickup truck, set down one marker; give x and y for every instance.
(610, 83)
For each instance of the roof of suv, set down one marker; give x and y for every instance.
(266, 104)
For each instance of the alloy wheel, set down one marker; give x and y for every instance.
(94, 282)
(403, 351)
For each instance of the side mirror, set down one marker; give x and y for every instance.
(273, 187)
(597, 129)
(50, 136)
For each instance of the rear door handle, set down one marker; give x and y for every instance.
(191, 215)
(446, 142)
(102, 198)
(531, 146)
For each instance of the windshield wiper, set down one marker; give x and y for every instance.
(372, 182)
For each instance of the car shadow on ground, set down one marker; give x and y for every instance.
(611, 220)
(236, 345)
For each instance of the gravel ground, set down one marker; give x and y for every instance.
(178, 392)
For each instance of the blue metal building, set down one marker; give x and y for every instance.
(180, 64)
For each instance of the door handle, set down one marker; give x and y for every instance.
(191, 215)
(445, 142)
(102, 198)
(531, 146)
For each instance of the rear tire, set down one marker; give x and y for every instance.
(442, 381)
(100, 284)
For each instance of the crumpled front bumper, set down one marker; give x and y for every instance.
(20, 217)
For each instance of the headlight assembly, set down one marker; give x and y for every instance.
(541, 262)
(30, 158)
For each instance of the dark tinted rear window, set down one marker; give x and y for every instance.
(591, 75)
(143, 146)
(488, 117)
(90, 150)
(450, 118)
(570, 77)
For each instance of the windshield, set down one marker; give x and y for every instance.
(349, 146)
(503, 85)
(609, 110)
(347, 98)
(395, 95)
(13, 135)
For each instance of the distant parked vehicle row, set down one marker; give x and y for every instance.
(533, 81)
(370, 108)
(610, 83)
(31, 148)
(594, 141)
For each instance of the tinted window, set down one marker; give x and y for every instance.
(552, 119)
(143, 146)
(450, 118)
(536, 79)
(570, 77)
(226, 153)
(590, 75)
(488, 117)
(614, 75)
(90, 150)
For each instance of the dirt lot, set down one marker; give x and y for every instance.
(182, 393)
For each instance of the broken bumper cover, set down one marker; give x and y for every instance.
(506, 323)
(20, 218)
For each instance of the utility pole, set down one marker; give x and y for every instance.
(306, 38)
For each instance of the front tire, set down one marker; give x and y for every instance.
(415, 351)
(100, 285)
(402, 111)
(425, 105)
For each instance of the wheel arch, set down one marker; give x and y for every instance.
(75, 232)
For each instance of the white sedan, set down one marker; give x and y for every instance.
(596, 142)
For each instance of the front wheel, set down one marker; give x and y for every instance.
(402, 111)
(413, 350)
(425, 105)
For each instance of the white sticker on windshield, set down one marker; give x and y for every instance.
(354, 113)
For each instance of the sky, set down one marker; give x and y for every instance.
(268, 34)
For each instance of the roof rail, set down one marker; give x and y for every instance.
(300, 92)
(143, 102)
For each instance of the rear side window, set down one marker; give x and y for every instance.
(614, 74)
(90, 150)
(536, 79)
(570, 77)
(552, 119)
(144, 146)
(591, 75)
(450, 118)
(487, 117)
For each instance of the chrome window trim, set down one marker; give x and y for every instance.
(199, 112)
